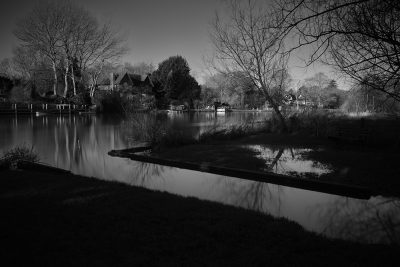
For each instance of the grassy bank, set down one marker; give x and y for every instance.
(371, 167)
(63, 220)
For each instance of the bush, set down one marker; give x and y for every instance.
(313, 122)
(12, 156)
(230, 133)
(273, 125)
(123, 102)
(157, 132)
(113, 103)
(20, 93)
(80, 99)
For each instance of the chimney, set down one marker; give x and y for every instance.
(112, 81)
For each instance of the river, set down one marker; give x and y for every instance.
(81, 143)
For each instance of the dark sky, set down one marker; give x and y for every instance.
(154, 29)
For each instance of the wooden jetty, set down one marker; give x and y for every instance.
(41, 109)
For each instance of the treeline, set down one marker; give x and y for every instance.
(357, 38)
(65, 54)
(237, 90)
(62, 50)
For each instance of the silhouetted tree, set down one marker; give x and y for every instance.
(358, 37)
(68, 37)
(173, 81)
(247, 42)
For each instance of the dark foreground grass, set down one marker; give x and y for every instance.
(66, 220)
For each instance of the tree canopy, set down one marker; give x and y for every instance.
(70, 40)
(360, 38)
(245, 40)
(173, 81)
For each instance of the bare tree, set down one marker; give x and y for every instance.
(40, 31)
(247, 42)
(319, 81)
(73, 17)
(25, 60)
(89, 43)
(105, 46)
(7, 68)
(65, 33)
(358, 37)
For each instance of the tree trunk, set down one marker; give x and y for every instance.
(94, 84)
(55, 79)
(66, 79)
(92, 89)
(95, 77)
(275, 107)
(73, 78)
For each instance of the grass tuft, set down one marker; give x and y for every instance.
(19, 153)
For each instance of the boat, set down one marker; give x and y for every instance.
(223, 109)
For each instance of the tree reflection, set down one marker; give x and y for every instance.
(374, 221)
(144, 173)
(258, 196)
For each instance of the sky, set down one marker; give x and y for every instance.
(154, 30)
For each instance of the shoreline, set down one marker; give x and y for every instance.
(65, 219)
(273, 178)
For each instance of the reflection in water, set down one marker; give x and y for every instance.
(373, 221)
(144, 174)
(253, 195)
(288, 161)
(81, 144)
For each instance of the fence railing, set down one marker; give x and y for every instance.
(44, 108)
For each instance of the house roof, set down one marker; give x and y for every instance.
(132, 76)
(106, 81)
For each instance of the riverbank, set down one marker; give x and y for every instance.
(52, 218)
(298, 155)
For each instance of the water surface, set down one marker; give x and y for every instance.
(81, 143)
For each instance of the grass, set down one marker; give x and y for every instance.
(12, 156)
(371, 164)
(230, 133)
(319, 125)
(383, 131)
(63, 220)
(157, 132)
(376, 168)
(161, 134)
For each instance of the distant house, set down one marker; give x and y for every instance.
(303, 101)
(289, 99)
(177, 105)
(127, 81)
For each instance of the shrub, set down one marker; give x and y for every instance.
(12, 156)
(313, 122)
(230, 133)
(20, 93)
(158, 132)
(80, 99)
(112, 103)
